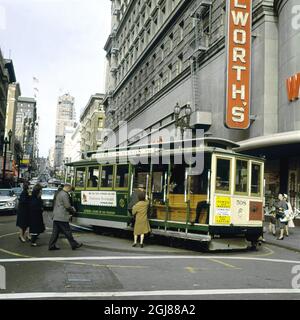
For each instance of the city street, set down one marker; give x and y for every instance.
(108, 267)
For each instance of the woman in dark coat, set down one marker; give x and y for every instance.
(36, 222)
(23, 212)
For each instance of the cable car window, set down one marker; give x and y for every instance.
(223, 175)
(93, 177)
(241, 176)
(107, 177)
(122, 176)
(256, 179)
(157, 185)
(80, 178)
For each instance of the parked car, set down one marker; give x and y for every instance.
(8, 201)
(48, 197)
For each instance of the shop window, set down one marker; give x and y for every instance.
(122, 177)
(241, 177)
(223, 175)
(93, 177)
(107, 177)
(80, 178)
(256, 179)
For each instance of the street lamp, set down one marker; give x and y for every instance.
(182, 122)
(6, 142)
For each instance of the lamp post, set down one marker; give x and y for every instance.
(6, 142)
(182, 122)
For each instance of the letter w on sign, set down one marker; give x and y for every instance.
(293, 87)
(2, 278)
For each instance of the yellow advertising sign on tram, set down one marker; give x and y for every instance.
(223, 210)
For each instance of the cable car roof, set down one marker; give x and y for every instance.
(207, 145)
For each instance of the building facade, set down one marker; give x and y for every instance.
(7, 77)
(65, 117)
(25, 133)
(161, 53)
(92, 122)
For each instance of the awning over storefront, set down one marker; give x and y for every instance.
(272, 146)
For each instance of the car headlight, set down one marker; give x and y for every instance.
(11, 203)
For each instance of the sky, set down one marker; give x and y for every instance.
(59, 42)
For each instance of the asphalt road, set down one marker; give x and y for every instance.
(107, 267)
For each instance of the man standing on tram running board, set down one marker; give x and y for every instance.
(61, 212)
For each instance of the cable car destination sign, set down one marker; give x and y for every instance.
(239, 28)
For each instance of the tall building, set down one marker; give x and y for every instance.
(92, 123)
(161, 53)
(65, 117)
(25, 133)
(7, 76)
(14, 92)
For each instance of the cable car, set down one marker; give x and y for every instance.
(198, 189)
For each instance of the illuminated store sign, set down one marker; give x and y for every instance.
(238, 89)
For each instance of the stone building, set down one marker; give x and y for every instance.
(92, 123)
(161, 53)
(65, 117)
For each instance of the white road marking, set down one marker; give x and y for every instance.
(104, 258)
(54, 295)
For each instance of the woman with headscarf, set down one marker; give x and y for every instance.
(141, 226)
(23, 212)
(36, 225)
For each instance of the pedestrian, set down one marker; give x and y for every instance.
(23, 212)
(133, 201)
(36, 222)
(280, 215)
(140, 211)
(60, 187)
(289, 215)
(62, 212)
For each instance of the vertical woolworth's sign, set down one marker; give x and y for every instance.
(239, 29)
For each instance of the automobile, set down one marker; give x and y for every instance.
(17, 191)
(48, 197)
(8, 201)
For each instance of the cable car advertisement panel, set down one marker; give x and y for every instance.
(238, 91)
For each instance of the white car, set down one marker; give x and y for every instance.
(48, 197)
(8, 201)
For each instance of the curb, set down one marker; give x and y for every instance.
(283, 246)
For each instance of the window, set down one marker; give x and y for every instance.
(181, 30)
(122, 176)
(107, 177)
(256, 179)
(170, 72)
(241, 176)
(223, 175)
(93, 177)
(80, 178)
(162, 48)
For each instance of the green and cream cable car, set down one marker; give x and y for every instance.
(198, 189)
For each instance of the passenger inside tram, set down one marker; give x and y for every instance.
(177, 180)
(199, 184)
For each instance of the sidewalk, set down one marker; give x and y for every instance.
(292, 242)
